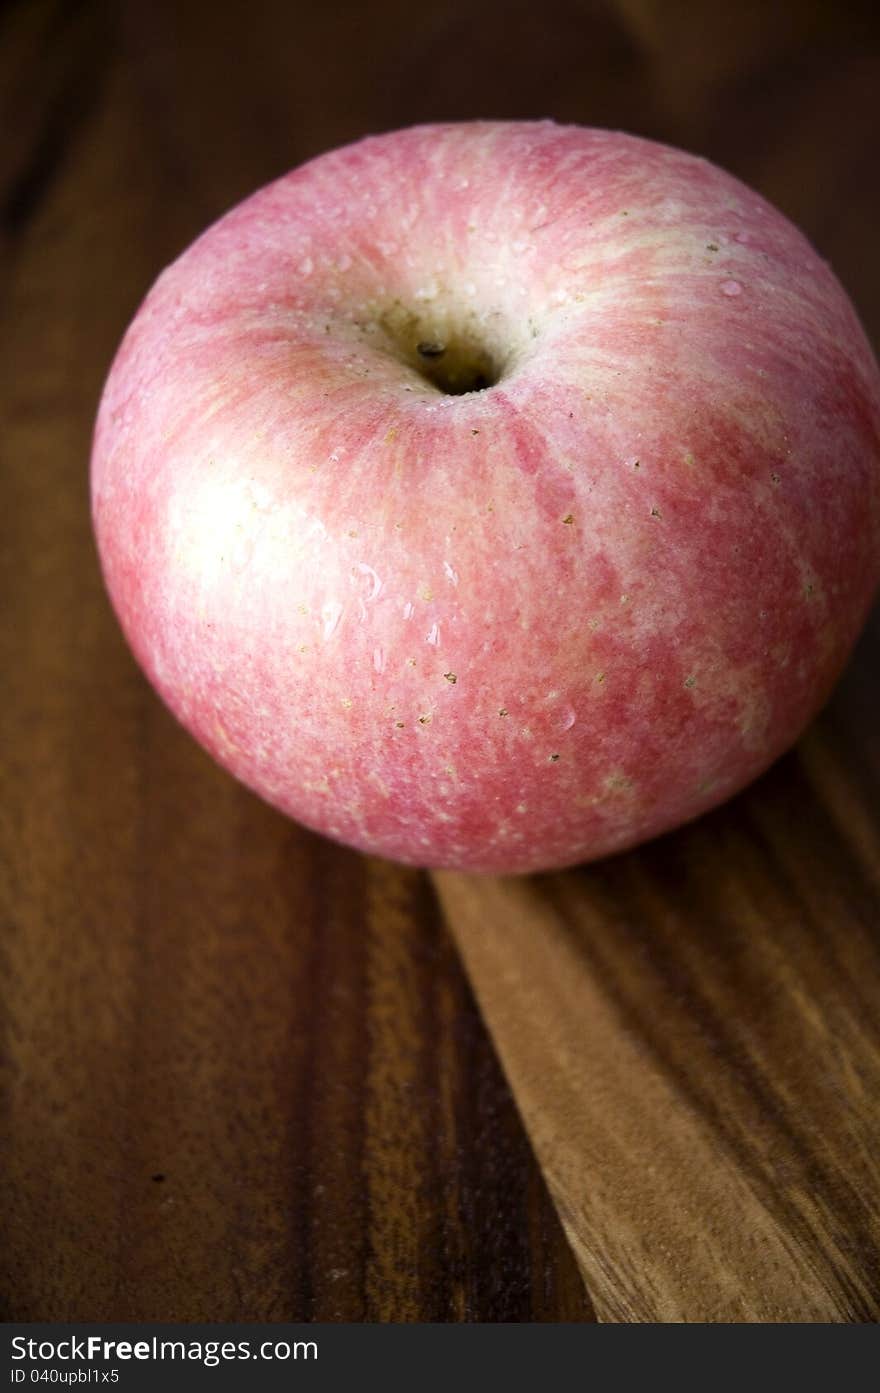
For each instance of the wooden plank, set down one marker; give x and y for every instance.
(692, 1032)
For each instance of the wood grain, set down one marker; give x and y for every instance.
(243, 1073)
(267, 1097)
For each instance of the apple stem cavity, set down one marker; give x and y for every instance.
(455, 367)
(451, 358)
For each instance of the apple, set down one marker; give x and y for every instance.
(493, 495)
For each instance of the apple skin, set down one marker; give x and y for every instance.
(519, 627)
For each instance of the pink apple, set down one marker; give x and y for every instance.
(493, 496)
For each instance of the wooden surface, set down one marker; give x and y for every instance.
(243, 1074)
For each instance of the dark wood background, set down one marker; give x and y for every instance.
(244, 1076)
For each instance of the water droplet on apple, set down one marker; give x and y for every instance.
(434, 635)
(331, 615)
(451, 573)
(374, 582)
(408, 609)
(731, 288)
(566, 718)
(378, 660)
